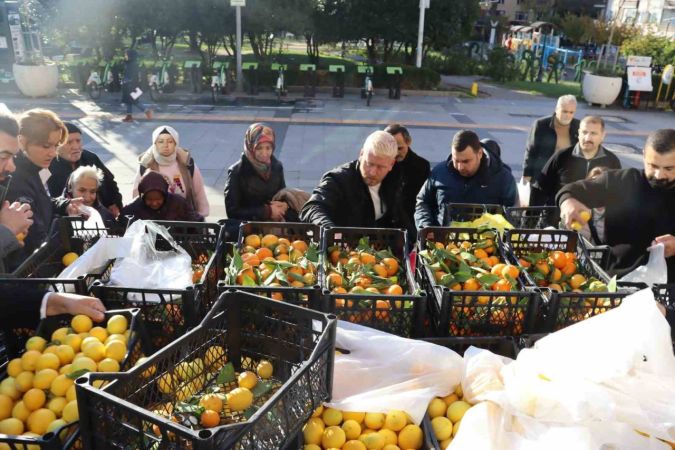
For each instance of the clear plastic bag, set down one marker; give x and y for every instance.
(654, 272)
(383, 372)
(523, 193)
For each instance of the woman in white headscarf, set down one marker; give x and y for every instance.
(176, 165)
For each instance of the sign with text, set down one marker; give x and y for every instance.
(237, 2)
(639, 79)
(639, 61)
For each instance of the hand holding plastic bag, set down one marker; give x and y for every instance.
(656, 270)
(383, 372)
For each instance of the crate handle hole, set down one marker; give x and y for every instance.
(81, 380)
(205, 434)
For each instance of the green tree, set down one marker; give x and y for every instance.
(660, 48)
(577, 29)
(212, 26)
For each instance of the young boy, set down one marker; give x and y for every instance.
(155, 202)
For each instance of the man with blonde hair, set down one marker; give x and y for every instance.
(550, 134)
(361, 193)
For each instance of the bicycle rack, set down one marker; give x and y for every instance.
(339, 86)
(310, 79)
(251, 70)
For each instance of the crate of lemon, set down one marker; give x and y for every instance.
(275, 260)
(475, 291)
(38, 406)
(576, 287)
(248, 376)
(369, 280)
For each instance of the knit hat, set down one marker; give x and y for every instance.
(72, 128)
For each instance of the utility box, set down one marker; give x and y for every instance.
(10, 34)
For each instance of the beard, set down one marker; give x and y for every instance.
(662, 185)
(564, 122)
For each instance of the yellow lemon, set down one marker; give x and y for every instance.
(214, 354)
(396, 447)
(20, 411)
(116, 350)
(65, 369)
(87, 341)
(55, 425)
(65, 353)
(442, 427)
(313, 431)
(44, 378)
(212, 402)
(410, 437)
(99, 333)
(437, 407)
(14, 367)
(390, 437)
(116, 337)
(117, 324)
(59, 335)
(70, 394)
(372, 441)
(24, 381)
(11, 426)
(395, 420)
(352, 429)
(69, 258)
(34, 399)
(70, 412)
(318, 411)
(456, 410)
(585, 216)
(247, 380)
(108, 365)
(449, 399)
(6, 405)
(29, 360)
(374, 421)
(57, 404)
(60, 385)
(446, 443)
(48, 361)
(74, 341)
(36, 343)
(333, 437)
(150, 371)
(458, 391)
(81, 323)
(356, 416)
(354, 445)
(455, 428)
(264, 369)
(39, 420)
(239, 399)
(167, 383)
(83, 363)
(8, 388)
(311, 447)
(331, 417)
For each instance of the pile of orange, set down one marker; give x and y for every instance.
(272, 261)
(556, 270)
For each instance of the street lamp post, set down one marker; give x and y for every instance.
(240, 72)
(424, 4)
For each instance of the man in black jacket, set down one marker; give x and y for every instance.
(70, 156)
(638, 205)
(361, 193)
(414, 170)
(574, 163)
(550, 134)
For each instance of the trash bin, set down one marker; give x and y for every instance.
(339, 86)
(251, 77)
(394, 76)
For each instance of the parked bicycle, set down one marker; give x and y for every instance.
(280, 87)
(219, 81)
(159, 81)
(97, 83)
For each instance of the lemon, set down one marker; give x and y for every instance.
(354, 445)
(116, 337)
(442, 427)
(81, 323)
(214, 354)
(55, 425)
(6, 405)
(48, 361)
(29, 360)
(212, 402)
(56, 405)
(264, 369)
(29, 446)
(585, 216)
(36, 343)
(333, 437)
(39, 420)
(83, 363)
(74, 341)
(239, 399)
(24, 381)
(70, 412)
(313, 431)
(150, 371)
(352, 429)
(108, 365)
(455, 428)
(11, 426)
(50, 349)
(65, 353)
(117, 324)
(410, 437)
(87, 341)
(70, 394)
(69, 258)
(60, 385)
(44, 378)
(437, 407)
(8, 388)
(390, 437)
(446, 443)
(34, 399)
(318, 411)
(14, 367)
(372, 441)
(395, 420)
(116, 350)
(311, 447)
(65, 370)
(449, 399)
(356, 416)
(456, 410)
(247, 380)
(458, 391)
(166, 383)
(99, 333)
(374, 421)
(20, 411)
(396, 447)
(59, 335)
(331, 417)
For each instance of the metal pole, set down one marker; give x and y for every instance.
(240, 73)
(420, 34)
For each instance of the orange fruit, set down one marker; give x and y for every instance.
(510, 271)
(558, 258)
(245, 272)
(282, 257)
(367, 258)
(281, 249)
(569, 269)
(251, 259)
(489, 246)
(493, 261)
(466, 245)
(577, 280)
(253, 240)
(471, 285)
(364, 281)
(339, 290)
(523, 262)
(380, 270)
(300, 246)
(395, 289)
(392, 266)
(334, 279)
(501, 285)
(438, 275)
(480, 253)
(497, 269)
(284, 241)
(263, 253)
(269, 240)
(543, 267)
(556, 275)
(334, 256)
(209, 419)
(571, 257)
(555, 287)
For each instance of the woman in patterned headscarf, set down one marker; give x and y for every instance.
(255, 178)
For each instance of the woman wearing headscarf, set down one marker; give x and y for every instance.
(129, 85)
(175, 164)
(254, 180)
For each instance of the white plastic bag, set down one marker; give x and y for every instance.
(523, 192)
(145, 267)
(656, 270)
(98, 256)
(383, 372)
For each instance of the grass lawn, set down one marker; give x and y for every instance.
(546, 89)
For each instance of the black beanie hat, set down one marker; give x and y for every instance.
(72, 128)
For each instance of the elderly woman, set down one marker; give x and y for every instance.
(85, 182)
(166, 157)
(254, 180)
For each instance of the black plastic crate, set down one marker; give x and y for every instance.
(68, 436)
(567, 308)
(599, 254)
(300, 344)
(500, 345)
(309, 296)
(466, 212)
(403, 315)
(533, 217)
(168, 313)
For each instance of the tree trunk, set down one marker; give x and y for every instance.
(254, 45)
(194, 41)
(371, 50)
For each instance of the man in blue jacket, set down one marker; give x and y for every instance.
(470, 175)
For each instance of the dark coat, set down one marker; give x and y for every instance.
(174, 208)
(109, 220)
(20, 304)
(247, 194)
(635, 214)
(564, 167)
(414, 171)
(343, 199)
(541, 144)
(492, 184)
(26, 187)
(130, 80)
(109, 193)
